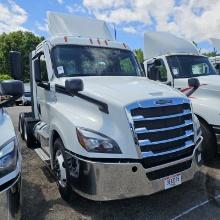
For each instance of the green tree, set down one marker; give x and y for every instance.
(140, 55)
(210, 54)
(21, 41)
(4, 77)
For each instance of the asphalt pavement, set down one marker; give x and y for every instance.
(196, 199)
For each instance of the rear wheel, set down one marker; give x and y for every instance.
(209, 146)
(61, 171)
(21, 125)
(22, 116)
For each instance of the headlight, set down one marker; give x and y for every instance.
(8, 157)
(95, 142)
(198, 130)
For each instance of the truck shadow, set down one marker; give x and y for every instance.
(157, 206)
(36, 205)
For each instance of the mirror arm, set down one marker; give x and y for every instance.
(188, 94)
(44, 85)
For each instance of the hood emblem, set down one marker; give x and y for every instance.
(163, 102)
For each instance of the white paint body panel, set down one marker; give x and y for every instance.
(70, 112)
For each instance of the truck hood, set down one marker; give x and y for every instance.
(210, 82)
(124, 90)
(6, 128)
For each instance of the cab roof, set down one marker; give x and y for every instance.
(60, 24)
(161, 43)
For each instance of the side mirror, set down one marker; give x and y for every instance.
(194, 82)
(11, 88)
(37, 74)
(74, 85)
(16, 65)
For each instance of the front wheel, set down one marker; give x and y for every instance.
(61, 171)
(209, 146)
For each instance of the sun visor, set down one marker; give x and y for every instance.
(161, 43)
(60, 24)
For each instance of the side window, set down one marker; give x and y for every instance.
(126, 65)
(156, 70)
(200, 68)
(43, 69)
(162, 71)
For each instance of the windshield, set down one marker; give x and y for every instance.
(185, 66)
(94, 61)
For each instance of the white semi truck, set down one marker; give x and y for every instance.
(173, 61)
(216, 59)
(10, 155)
(107, 132)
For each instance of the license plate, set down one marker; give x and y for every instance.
(173, 180)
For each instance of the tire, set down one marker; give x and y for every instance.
(209, 146)
(21, 125)
(61, 173)
(29, 138)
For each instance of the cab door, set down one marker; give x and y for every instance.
(42, 87)
(158, 70)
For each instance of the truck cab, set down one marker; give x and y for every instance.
(173, 61)
(105, 130)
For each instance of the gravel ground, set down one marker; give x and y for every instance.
(41, 199)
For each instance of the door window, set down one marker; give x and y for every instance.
(162, 71)
(157, 70)
(43, 68)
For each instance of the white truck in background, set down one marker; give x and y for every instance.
(173, 61)
(10, 155)
(216, 59)
(106, 131)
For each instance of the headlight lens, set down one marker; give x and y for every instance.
(95, 142)
(198, 130)
(8, 157)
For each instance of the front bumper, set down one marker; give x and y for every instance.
(10, 199)
(110, 181)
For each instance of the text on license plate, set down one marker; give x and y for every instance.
(173, 180)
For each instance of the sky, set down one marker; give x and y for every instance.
(195, 20)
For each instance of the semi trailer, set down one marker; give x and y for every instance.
(10, 155)
(104, 129)
(173, 61)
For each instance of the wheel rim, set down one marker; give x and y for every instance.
(60, 170)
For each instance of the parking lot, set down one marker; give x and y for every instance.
(197, 199)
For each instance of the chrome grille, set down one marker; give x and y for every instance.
(163, 130)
